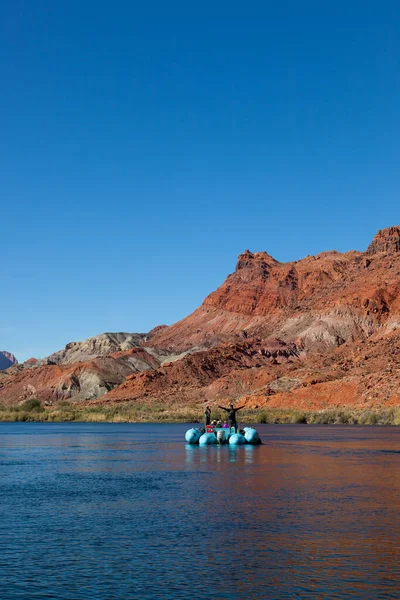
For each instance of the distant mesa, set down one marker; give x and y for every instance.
(7, 360)
(31, 361)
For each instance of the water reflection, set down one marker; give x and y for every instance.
(132, 512)
(315, 515)
(211, 455)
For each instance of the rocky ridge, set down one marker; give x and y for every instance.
(82, 371)
(95, 347)
(313, 333)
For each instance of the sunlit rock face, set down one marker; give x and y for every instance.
(386, 240)
(317, 302)
(317, 332)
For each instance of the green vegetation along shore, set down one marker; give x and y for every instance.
(33, 410)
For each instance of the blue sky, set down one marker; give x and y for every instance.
(145, 145)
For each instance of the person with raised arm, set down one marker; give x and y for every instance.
(232, 415)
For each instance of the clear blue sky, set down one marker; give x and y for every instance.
(144, 146)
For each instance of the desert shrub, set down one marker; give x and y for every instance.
(368, 418)
(31, 405)
(263, 417)
(342, 417)
(353, 419)
(396, 417)
(21, 416)
(298, 417)
(317, 418)
(65, 404)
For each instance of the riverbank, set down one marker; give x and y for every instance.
(33, 410)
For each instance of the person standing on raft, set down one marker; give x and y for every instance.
(207, 415)
(232, 414)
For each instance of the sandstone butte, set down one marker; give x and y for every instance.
(315, 333)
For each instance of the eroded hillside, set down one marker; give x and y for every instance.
(321, 331)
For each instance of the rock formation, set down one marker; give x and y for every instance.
(320, 301)
(386, 240)
(7, 360)
(321, 331)
(100, 345)
(82, 370)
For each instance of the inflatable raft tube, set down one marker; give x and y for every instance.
(207, 438)
(237, 439)
(192, 436)
(252, 436)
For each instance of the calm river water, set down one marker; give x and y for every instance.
(126, 511)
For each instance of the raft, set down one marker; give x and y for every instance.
(208, 438)
(251, 436)
(192, 436)
(237, 439)
(222, 435)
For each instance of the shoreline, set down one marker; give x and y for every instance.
(34, 411)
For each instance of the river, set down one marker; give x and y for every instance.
(129, 511)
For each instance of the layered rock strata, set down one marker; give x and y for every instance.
(316, 332)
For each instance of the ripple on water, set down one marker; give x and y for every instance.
(131, 511)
